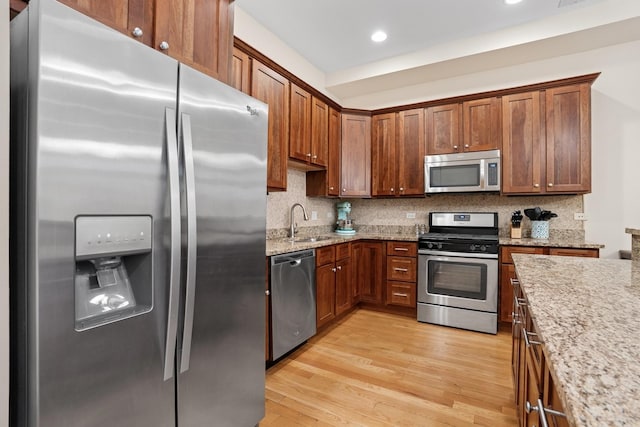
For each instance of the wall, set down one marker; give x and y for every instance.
(4, 213)
(393, 212)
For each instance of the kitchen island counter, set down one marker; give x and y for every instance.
(585, 311)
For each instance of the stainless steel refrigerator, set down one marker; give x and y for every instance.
(138, 233)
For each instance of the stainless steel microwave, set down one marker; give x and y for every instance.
(462, 172)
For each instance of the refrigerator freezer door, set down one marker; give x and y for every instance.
(224, 382)
(95, 146)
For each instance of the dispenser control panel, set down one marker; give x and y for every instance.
(109, 235)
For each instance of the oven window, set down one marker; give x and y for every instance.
(457, 279)
(455, 176)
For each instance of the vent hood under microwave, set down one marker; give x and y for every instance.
(462, 172)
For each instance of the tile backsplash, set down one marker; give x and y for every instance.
(392, 213)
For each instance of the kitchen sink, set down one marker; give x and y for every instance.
(311, 239)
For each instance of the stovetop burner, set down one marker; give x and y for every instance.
(454, 236)
(461, 232)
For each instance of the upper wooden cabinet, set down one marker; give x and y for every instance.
(273, 89)
(481, 124)
(398, 150)
(383, 155)
(443, 129)
(410, 152)
(300, 124)
(355, 177)
(198, 33)
(568, 125)
(309, 129)
(546, 146)
(240, 71)
(327, 182)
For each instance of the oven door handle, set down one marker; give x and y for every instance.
(458, 254)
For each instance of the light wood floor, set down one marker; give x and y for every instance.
(377, 369)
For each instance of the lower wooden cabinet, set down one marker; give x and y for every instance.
(333, 282)
(508, 272)
(368, 269)
(401, 276)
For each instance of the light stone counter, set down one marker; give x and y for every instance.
(586, 312)
(284, 245)
(553, 242)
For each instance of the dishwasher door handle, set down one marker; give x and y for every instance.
(295, 262)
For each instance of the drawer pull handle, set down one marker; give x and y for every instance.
(527, 341)
(398, 294)
(401, 249)
(514, 282)
(404, 270)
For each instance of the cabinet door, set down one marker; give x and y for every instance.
(333, 163)
(522, 146)
(325, 294)
(568, 124)
(551, 400)
(410, 152)
(121, 15)
(482, 124)
(443, 129)
(355, 176)
(319, 132)
(273, 89)
(241, 71)
(369, 272)
(198, 33)
(300, 124)
(383, 155)
(344, 298)
(507, 272)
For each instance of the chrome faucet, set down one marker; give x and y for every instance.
(292, 230)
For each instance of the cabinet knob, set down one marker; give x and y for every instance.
(344, 189)
(466, 145)
(137, 32)
(536, 185)
(401, 188)
(314, 157)
(267, 292)
(333, 269)
(164, 45)
(339, 267)
(330, 188)
(392, 189)
(455, 147)
(550, 184)
(308, 154)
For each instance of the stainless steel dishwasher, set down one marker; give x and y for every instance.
(293, 300)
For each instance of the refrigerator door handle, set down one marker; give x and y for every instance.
(174, 269)
(187, 147)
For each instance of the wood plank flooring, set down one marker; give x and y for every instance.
(378, 369)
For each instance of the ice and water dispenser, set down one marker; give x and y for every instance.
(113, 278)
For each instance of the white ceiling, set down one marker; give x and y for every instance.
(429, 40)
(335, 34)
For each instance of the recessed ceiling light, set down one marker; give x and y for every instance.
(379, 36)
(512, 1)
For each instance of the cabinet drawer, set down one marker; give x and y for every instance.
(589, 253)
(402, 248)
(506, 252)
(401, 293)
(401, 268)
(325, 255)
(343, 250)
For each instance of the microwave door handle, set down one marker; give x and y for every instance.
(187, 147)
(174, 258)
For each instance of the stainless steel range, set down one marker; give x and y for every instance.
(458, 271)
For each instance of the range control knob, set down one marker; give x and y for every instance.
(439, 245)
(430, 245)
(472, 247)
(483, 248)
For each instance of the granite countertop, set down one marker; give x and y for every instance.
(282, 246)
(553, 242)
(586, 313)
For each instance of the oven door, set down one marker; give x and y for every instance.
(458, 280)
